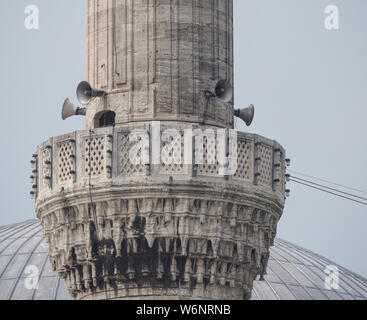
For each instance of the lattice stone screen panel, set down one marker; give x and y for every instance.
(206, 151)
(245, 160)
(95, 156)
(172, 152)
(133, 152)
(266, 165)
(65, 151)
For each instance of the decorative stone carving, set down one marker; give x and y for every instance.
(176, 247)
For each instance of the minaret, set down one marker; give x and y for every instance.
(155, 58)
(159, 198)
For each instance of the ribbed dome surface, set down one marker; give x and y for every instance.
(293, 272)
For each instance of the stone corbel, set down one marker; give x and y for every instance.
(168, 210)
(215, 245)
(132, 212)
(184, 242)
(173, 269)
(213, 272)
(233, 216)
(203, 211)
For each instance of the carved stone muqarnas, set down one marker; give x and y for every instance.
(161, 247)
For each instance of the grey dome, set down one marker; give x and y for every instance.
(293, 272)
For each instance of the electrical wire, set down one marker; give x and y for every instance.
(206, 109)
(332, 189)
(326, 181)
(329, 192)
(114, 41)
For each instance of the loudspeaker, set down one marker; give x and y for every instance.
(246, 114)
(224, 91)
(85, 92)
(69, 110)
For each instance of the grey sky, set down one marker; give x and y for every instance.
(309, 86)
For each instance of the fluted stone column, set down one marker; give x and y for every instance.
(156, 58)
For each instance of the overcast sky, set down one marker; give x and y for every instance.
(309, 86)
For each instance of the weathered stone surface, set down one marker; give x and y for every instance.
(173, 226)
(177, 231)
(156, 58)
(152, 247)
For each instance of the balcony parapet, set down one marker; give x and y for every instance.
(116, 156)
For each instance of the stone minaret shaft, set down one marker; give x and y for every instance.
(140, 205)
(156, 58)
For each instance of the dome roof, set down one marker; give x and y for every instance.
(293, 272)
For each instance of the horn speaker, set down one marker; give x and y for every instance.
(246, 114)
(224, 91)
(69, 110)
(85, 92)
